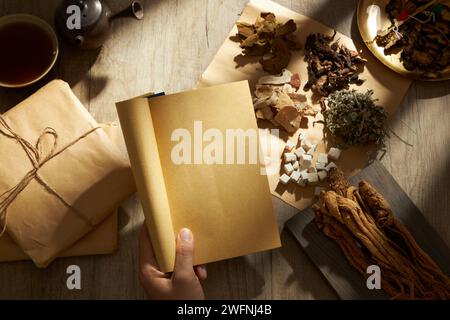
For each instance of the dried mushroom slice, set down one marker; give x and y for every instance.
(285, 29)
(284, 77)
(245, 29)
(283, 101)
(279, 58)
(297, 97)
(269, 39)
(250, 41)
(274, 94)
(263, 91)
(266, 101)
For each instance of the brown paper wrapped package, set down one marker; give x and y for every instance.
(389, 88)
(101, 240)
(85, 178)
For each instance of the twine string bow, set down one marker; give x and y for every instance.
(38, 157)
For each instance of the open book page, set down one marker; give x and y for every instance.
(201, 169)
(137, 126)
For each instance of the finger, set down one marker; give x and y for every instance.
(184, 253)
(147, 260)
(201, 272)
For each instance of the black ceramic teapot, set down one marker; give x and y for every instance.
(86, 24)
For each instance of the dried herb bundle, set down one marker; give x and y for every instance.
(269, 39)
(363, 225)
(355, 117)
(330, 66)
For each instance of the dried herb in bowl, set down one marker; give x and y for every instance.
(355, 117)
(422, 40)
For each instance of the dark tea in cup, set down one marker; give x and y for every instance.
(29, 50)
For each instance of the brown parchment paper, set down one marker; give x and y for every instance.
(389, 88)
(92, 176)
(227, 206)
(101, 240)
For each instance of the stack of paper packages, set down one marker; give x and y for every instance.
(61, 179)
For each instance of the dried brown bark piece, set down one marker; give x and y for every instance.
(295, 81)
(269, 39)
(245, 29)
(331, 66)
(289, 118)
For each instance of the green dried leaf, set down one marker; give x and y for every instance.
(355, 117)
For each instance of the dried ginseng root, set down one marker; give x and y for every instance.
(362, 224)
(428, 270)
(364, 229)
(359, 258)
(338, 183)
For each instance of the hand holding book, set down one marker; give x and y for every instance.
(226, 204)
(183, 283)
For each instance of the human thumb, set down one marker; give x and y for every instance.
(184, 254)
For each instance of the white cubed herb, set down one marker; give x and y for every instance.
(306, 160)
(284, 179)
(330, 165)
(320, 166)
(289, 157)
(299, 152)
(288, 168)
(322, 175)
(334, 153)
(295, 175)
(322, 158)
(289, 145)
(312, 178)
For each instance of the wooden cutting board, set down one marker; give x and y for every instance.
(327, 255)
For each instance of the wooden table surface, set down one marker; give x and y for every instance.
(168, 51)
